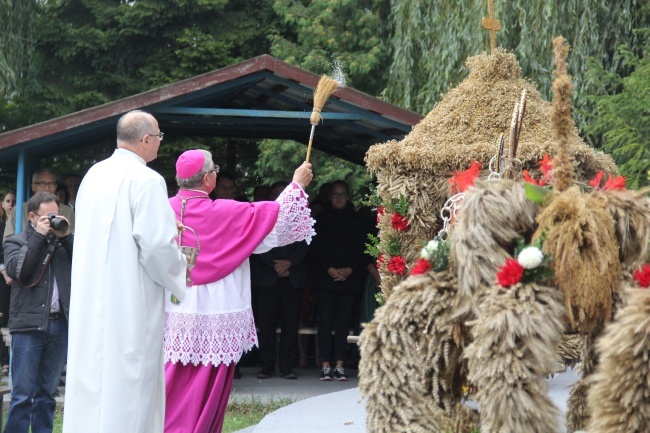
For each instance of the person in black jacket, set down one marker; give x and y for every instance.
(278, 278)
(338, 256)
(39, 260)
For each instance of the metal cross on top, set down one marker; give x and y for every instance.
(492, 25)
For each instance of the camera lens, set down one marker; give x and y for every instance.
(57, 223)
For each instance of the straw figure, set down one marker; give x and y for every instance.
(461, 129)
(624, 350)
(326, 86)
(492, 216)
(578, 226)
(512, 352)
(411, 366)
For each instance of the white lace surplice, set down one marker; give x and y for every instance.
(214, 323)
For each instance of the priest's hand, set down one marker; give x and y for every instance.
(303, 175)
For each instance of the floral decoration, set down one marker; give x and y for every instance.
(397, 265)
(530, 264)
(546, 167)
(422, 266)
(399, 222)
(388, 249)
(642, 275)
(612, 183)
(510, 273)
(460, 181)
(433, 256)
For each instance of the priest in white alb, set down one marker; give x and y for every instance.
(124, 256)
(207, 333)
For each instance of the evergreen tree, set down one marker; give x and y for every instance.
(313, 34)
(620, 121)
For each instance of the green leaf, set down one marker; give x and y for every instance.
(536, 193)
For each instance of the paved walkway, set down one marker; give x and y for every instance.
(344, 411)
(328, 407)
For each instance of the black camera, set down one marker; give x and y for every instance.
(57, 223)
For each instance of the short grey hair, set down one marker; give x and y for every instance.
(133, 126)
(196, 180)
(41, 171)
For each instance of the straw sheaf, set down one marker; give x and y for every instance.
(423, 193)
(631, 212)
(464, 125)
(580, 238)
(571, 348)
(563, 167)
(492, 216)
(512, 353)
(411, 367)
(577, 415)
(624, 351)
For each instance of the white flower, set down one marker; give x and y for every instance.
(530, 257)
(433, 245)
(430, 249)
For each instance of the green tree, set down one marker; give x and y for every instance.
(620, 121)
(431, 40)
(16, 45)
(90, 52)
(278, 159)
(313, 34)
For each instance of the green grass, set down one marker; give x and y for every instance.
(240, 413)
(244, 413)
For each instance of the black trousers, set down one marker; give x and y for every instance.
(335, 310)
(278, 305)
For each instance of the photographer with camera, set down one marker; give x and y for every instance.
(39, 260)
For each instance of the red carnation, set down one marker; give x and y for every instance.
(397, 265)
(380, 261)
(510, 273)
(380, 212)
(399, 222)
(642, 276)
(421, 267)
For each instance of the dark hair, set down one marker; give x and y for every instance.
(226, 174)
(282, 183)
(40, 197)
(3, 214)
(66, 194)
(341, 182)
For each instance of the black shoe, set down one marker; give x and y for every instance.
(263, 375)
(339, 374)
(326, 374)
(290, 375)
